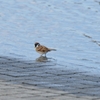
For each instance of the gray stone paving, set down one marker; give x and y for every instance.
(31, 80)
(10, 91)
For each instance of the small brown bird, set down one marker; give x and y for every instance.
(42, 49)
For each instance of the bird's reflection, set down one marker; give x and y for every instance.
(42, 59)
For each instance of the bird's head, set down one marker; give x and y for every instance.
(37, 44)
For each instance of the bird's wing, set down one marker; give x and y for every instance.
(42, 48)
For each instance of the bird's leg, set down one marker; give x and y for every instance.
(41, 55)
(45, 54)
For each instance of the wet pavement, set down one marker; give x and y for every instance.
(69, 26)
(42, 74)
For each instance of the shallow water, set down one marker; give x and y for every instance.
(72, 27)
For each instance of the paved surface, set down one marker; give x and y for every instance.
(32, 80)
(10, 91)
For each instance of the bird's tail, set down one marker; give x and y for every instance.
(53, 50)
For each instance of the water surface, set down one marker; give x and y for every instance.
(72, 27)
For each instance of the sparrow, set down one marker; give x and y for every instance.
(42, 49)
